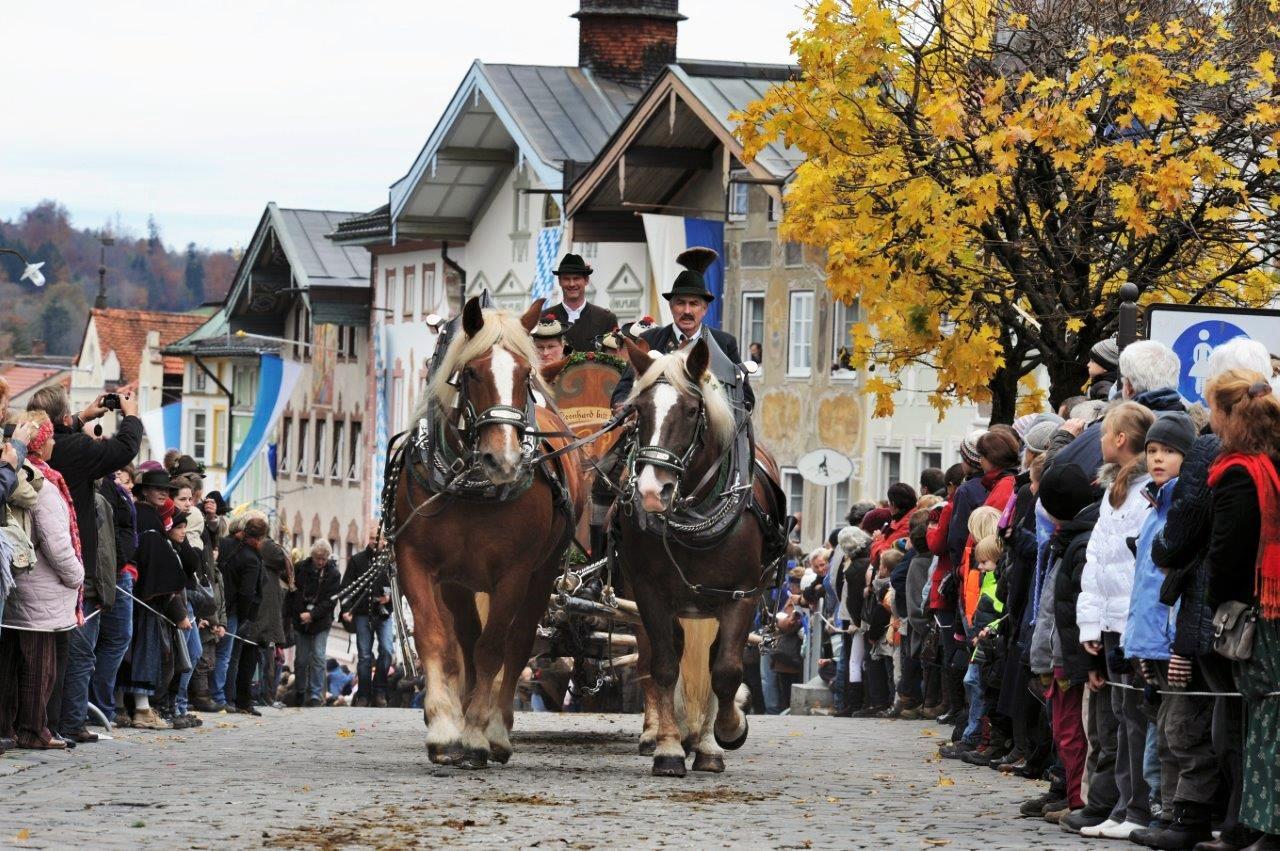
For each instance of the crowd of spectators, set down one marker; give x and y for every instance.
(130, 596)
(1090, 597)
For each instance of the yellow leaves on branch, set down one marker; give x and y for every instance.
(925, 147)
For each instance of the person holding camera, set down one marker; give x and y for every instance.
(81, 461)
(311, 611)
(368, 610)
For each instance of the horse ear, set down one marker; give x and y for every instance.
(551, 371)
(472, 317)
(639, 357)
(698, 360)
(530, 318)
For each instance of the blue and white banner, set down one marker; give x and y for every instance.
(276, 381)
(544, 283)
(164, 429)
(666, 237)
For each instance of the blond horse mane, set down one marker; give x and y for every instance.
(500, 329)
(671, 368)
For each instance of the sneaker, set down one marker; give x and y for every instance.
(1080, 819)
(195, 720)
(123, 720)
(930, 713)
(1054, 814)
(1115, 830)
(204, 704)
(147, 719)
(181, 722)
(978, 756)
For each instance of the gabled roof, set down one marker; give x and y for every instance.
(23, 378)
(125, 333)
(671, 135)
(500, 115)
(314, 261)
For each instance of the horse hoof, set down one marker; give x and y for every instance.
(738, 742)
(499, 755)
(449, 754)
(711, 762)
(648, 746)
(474, 758)
(668, 766)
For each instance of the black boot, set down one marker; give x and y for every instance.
(853, 697)
(1189, 826)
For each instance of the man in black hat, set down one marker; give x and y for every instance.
(585, 321)
(689, 299)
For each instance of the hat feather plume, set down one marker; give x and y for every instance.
(697, 259)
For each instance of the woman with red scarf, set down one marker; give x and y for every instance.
(45, 601)
(1244, 566)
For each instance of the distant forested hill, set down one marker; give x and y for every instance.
(141, 273)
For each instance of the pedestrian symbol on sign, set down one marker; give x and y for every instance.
(1193, 347)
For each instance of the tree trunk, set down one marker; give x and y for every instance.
(1004, 395)
(1066, 378)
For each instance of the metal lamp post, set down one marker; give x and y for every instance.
(101, 301)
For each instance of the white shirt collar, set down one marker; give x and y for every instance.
(681, 339)
(572, 314)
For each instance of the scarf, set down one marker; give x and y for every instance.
(53, 476)
(1267, 483)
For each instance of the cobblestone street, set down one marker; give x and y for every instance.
(344, 778)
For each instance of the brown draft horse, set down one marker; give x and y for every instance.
(478, 572)
(696, 639)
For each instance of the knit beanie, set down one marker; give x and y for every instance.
(1174, 429)
(1039, 435)
(1064, 490)
(969, 448)
(1106, 353)
(876, 518)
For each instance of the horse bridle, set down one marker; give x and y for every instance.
(469, 422)
(660, 456)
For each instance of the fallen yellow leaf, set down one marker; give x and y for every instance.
(937, 841)
(346, 734)
(832, 800)
(23, 835)
(926, 732)
(945, 781)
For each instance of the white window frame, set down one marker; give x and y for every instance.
(882, 468)
(199, 380)
(429, 297)
(739, 197)
(199, 423)
(800, 334)
(339, 431)
(408, 290)
(284, 444)
(791, 476)
(303, 429)
(924, 464)
(317, 435)
(835, 511)
(355, 435)
(840, 337)
(389, 293)
(748, 299)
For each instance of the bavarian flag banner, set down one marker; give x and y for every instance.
(275, 385)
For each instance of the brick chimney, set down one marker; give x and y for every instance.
(627, 41)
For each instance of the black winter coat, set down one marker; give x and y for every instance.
(1234, 539)
(82, 461)
(124, 520)
(1180, 548)
(1068, 545)
(241, 568)
(316, 585)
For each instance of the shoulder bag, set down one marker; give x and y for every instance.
(1233, 628)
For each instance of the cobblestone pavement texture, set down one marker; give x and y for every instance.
(359, 778)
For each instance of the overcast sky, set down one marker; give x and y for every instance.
(202, 113)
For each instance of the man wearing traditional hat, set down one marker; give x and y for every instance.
(548, 339)
(689, 299)
(582, 320)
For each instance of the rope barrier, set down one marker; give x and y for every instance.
(174, 625)
(88, 618)
(1183, 693)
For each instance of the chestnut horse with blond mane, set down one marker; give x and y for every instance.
(481, 528)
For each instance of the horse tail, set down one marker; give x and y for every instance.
(694, 690)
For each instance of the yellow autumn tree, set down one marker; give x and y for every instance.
(986, 174)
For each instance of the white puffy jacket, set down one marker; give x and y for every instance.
(1107, 581)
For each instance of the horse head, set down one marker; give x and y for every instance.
(492, 373)
(673, 405)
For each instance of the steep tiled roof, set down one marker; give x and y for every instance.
(125, 333)
(23, 378)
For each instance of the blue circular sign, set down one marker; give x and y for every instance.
(1193, 347)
